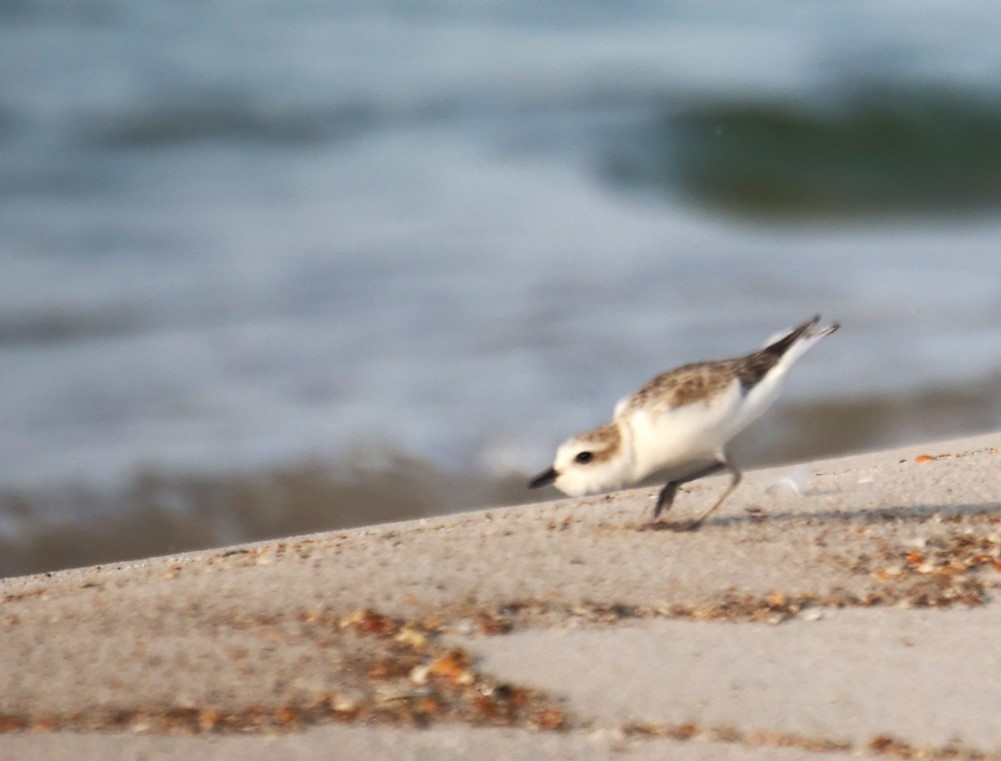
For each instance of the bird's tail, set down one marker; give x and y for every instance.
(790, 345)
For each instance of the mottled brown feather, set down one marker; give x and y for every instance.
(701, 381)
(697, 382)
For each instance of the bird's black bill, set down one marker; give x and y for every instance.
(543, 479)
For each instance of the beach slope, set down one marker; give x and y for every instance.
(843, 608)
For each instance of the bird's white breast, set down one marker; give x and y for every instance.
(664, 438)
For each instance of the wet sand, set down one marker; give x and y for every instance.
(843, 607)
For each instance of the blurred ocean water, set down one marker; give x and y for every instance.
(243, 241)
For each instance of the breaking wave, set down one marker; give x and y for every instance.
(880, 150)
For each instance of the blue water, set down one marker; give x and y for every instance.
(241, 234)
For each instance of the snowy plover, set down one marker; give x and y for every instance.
(684, 417)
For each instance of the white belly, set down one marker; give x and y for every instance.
(670, 438)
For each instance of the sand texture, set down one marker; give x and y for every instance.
(836, 609)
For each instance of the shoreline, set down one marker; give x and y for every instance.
(569, 624)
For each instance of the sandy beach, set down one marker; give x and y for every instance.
(838, 608)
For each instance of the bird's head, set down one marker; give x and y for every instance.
(590, 462)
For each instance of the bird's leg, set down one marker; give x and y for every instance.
(736, 476)
(666, 497)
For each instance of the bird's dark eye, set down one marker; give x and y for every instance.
(584, 458)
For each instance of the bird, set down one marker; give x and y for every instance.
(681, 419)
